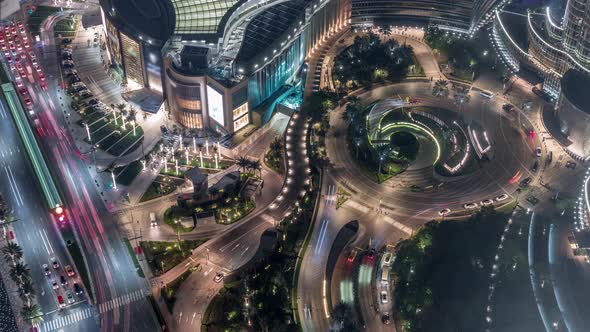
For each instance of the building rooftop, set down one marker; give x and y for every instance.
(574, 87)
(195, 175)
(146, 18)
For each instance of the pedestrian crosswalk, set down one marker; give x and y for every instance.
(66, 320)
(121, 301)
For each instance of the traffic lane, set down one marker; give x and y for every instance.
(36, 231)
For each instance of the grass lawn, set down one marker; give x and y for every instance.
(65, 28)
(162, 256)
(173, 214)
(126, 174)
(233, 211)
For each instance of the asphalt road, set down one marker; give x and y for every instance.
(119, 291)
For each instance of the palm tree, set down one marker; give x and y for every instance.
(20, 272)
(12, 252)
(26, 290)
(462, 96)
(121, 107)
(32, 313)
(3, 209)
(382, 153)
(441, 89)
(256, 166)
(132, 114)
(243, 163)
(276, 146)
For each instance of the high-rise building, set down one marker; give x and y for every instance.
(465, 16)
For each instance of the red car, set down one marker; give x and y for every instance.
(60, 299)
(22, 91)
(43, 85)
(4, 48)
(27, 45)
(41, 77)
(28, 102)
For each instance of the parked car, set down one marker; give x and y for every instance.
(61, 302)
(487, 202)
(501, 198)
(70, 298)
(63, 281)
(444, 212)
(383, 297)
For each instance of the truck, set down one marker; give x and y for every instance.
(385, 274)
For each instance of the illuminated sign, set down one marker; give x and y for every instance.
(215, 105)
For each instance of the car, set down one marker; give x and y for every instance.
(218, 277)
(32, 55)
(28, 102)
(525, 182)
(371, 254)
(61, 302)
(93, 102)
(385, 319)
(63, 280)
(70, 298)
(66, 41)
(26, 44)
(444, 212)
(535, 166)
(571, 164)
(70, 271)
(66, 57)
(46, 270)
(487, 202)
(54, 263)
(19, 83)
(77, 289)
(6, 53)
(19, 47)
(22, 91)
(501, 198)
(486, 95)
(507, 107)
(43, 85)
(387, 258)
(41, 77)
(538, 151)
(4, 48)
(25, 37)
(38, 69)
(470, 206)
(54, 285)
(383, 297)
(19, 67)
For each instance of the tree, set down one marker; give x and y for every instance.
(243, 163)
(276, 146)
(12, 252)
(26, 290)
(19, 272)
(382, 154)
(441, 89)
(462, 96)
(4, 210)
(121, 107)
(132, 114)
(32, 313)
(256, 166)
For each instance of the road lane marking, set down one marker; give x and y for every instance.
(321, 237)
(66, 320)
(44, 243)
(13, 185)
(48, 242)
(122, 300)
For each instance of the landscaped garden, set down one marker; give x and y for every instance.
(441, 274)
(162, 256)
(371, 60)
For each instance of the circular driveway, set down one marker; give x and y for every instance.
(511, 152)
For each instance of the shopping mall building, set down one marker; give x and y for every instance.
(224, 64)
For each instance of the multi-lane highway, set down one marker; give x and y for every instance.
(119, 292)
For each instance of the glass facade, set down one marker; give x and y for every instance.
(132, 59)
(200, 16)
(185, 100)
(454, 13)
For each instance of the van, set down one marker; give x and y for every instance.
(486, 95)
(153, 221)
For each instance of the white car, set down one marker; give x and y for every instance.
(501, 198)
(538, 152)
(487, 202)
(383, 297)
(444, 212)
(470, 206)
(218, 277)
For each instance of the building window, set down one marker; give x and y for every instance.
(240, 111)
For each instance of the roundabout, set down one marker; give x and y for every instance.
(447, 138)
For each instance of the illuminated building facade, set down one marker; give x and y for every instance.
(465, 16)
(573, 112)
(215, 61)
(555, 44)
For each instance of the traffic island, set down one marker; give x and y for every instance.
(162, 256)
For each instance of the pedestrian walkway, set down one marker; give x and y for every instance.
(121, 301)
(66, 320)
